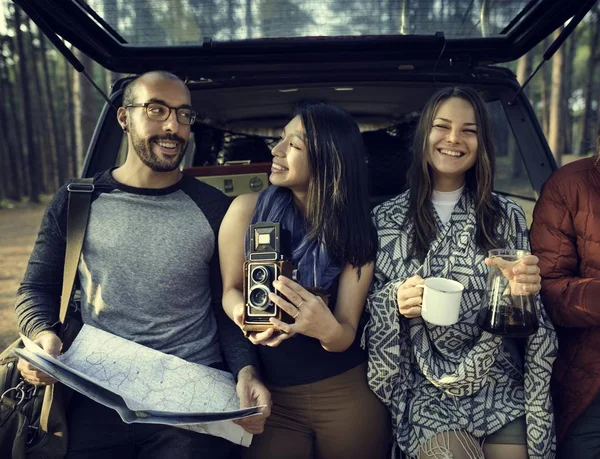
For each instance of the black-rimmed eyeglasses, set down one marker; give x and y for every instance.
(161, 112)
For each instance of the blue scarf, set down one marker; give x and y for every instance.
(316, 268)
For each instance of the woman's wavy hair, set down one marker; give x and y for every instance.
(338, 210)
(479, 179)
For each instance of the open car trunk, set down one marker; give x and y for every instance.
(248, 63)
(238, 39)
(230, 143)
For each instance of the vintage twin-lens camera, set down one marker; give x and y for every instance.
(266, 262)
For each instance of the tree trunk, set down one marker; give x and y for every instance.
(83, 96)
(249, 18)
(231, 19)
(59, 157)
(567, 144)
(14, 158)
(41, 127)
(108, 81)
(73, 167)
(545, 92)
(403, 18)
(20, 147)
(523, 71)
(6, 175)
(483, 18)
(556, 126)
(32, 156)
(4, 178)
(587, 126)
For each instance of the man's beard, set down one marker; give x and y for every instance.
(143, 148)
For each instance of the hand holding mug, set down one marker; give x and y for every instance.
(410, 297)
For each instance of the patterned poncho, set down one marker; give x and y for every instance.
(435, 378)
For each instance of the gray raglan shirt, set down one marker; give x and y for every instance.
(148, 271)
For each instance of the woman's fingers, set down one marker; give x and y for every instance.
(288, 287)
(277, 339)
(238, 315)
(413, 292)
(527, 265)
(282, 326)
(412, 281)
(528, 278)
(283, 304)
(410, 297)
(530, 260)
(270, 337)
(411, 313)
(527, 274)
(261, 337)
(532, 288)
(290, 293)
(410, 302)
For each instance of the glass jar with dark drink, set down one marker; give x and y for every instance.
(507, 310)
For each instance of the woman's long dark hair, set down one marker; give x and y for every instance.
(338, 209)
(479, 179)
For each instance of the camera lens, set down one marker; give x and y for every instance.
(259, 297)
(260, 274)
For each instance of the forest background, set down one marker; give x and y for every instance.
(48, 111)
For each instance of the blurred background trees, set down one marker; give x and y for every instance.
(47, 115)
(48, 111)
(566, 92)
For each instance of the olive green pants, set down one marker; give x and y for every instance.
(338, 417)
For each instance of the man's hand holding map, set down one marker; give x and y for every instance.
(145, 385)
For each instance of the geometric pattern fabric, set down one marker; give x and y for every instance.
(444, 378)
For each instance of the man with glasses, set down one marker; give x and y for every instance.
(148, 272)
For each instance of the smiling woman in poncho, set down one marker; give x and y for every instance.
(455, 391)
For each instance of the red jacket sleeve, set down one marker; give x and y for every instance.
(570, 300)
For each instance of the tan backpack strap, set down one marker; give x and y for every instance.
(80, 200)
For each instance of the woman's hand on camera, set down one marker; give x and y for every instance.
(270, 337)
(410, 297)
(238, 315)
(312, 317)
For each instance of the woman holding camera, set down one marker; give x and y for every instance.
(455, 391)
(313, 366)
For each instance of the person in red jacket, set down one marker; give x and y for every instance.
(565, 235)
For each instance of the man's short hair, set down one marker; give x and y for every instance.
(129, 94)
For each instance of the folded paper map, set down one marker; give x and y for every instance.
(145, 385)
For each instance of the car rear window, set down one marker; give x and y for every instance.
(189, 22)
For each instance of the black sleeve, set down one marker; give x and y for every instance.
(38, 298)
(237, 351)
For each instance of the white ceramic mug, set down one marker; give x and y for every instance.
(441, 300)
